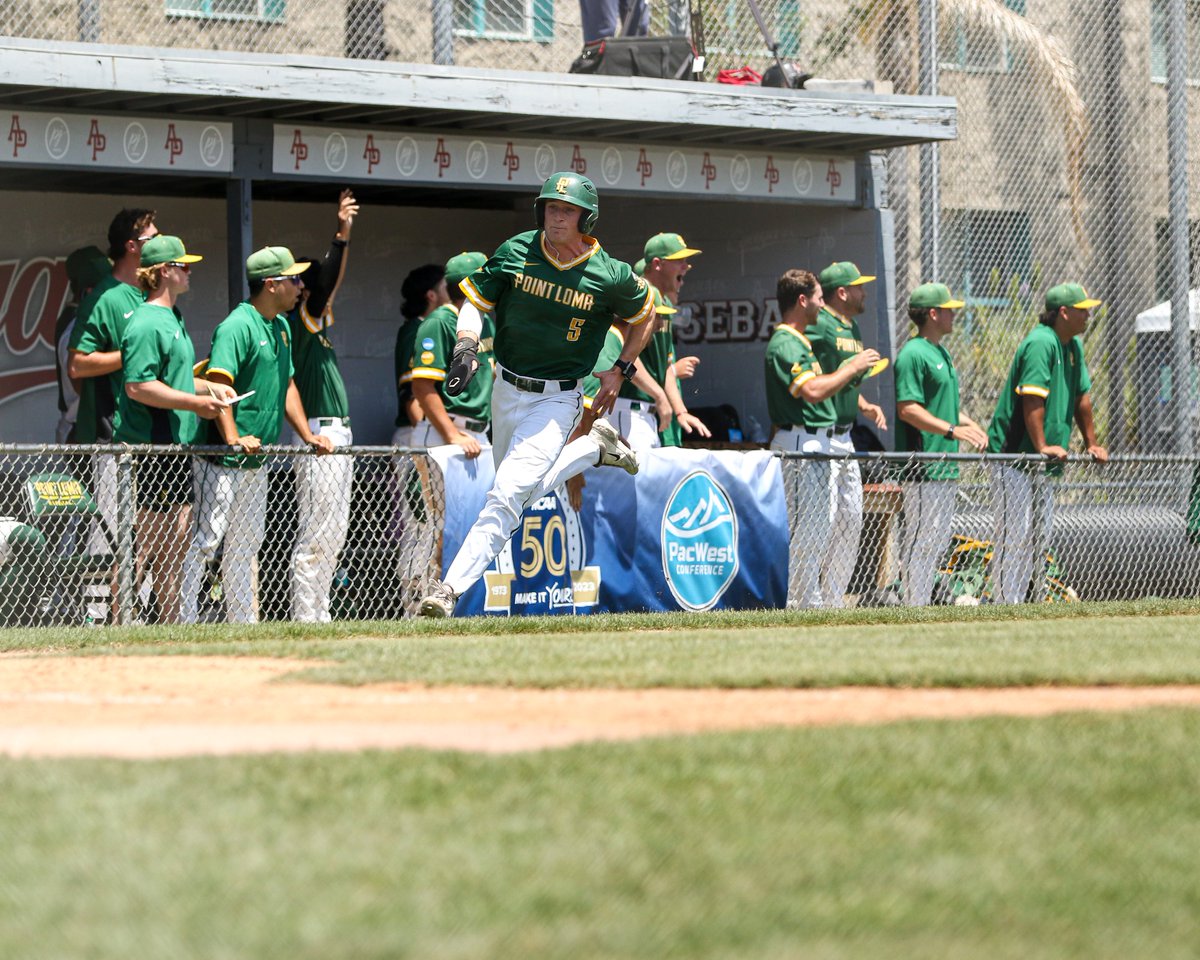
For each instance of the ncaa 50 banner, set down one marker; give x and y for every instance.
(694, 530)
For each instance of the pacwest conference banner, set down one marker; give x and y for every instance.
(694, 530)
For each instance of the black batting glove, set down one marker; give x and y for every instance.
(463, 365)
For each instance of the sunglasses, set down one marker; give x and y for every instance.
(149, 236)
(294, 278)
(185, 267)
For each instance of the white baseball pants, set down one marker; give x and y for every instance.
(231, 505)
(809, 493)
(104, 492)
(532, 456)
(323, 489)
(928, 513)
(637, 422)
(1023, 514)
(846, 481)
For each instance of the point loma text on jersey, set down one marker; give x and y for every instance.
(575, 299)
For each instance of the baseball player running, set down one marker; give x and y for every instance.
(554, 292)
(799, 402)
(927, 406)
(1048, 386)
(836, 339)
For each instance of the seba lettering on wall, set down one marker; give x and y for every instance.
(32, 295)
(726, 321)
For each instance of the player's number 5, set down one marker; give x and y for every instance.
(576, 328)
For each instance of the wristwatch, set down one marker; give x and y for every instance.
(950, 433)
(627, 368)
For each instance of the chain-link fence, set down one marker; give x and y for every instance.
(972, 529)
(1059, 172)
(158, 535)
(127, 535)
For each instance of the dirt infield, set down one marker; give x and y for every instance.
(140, 707)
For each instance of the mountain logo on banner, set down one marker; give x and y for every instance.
(699, 541)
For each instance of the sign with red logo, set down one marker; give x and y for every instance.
(118, 142)
(416, 157)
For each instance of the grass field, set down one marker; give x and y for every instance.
(1069, 836)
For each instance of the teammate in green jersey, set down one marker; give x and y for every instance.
(836, 338)
(252, 352)
(323, 484)
(554, 292)
(931, 421)
(95, 353)
(1047, 388)
(160, 403)
(668, 259)
(463, 419)
(799, 393)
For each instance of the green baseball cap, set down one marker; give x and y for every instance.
(668, 246)
(843, 274)
(640, 268)
(930, 295)
(273, 262)
(86, 267)
(1069, 295)
(462, 266)
(164, 249)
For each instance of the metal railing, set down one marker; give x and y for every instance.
(115, 534)
(107, 534)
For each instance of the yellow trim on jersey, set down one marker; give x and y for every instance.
(587, 402)
(427, 373)
(405, 378)
(645, 313)
(795, 385)
(845, 320)
(788, 328)
(567, 265)
(1029, 389)
(477, 298)
(212, 370)
(616, 331)
(316, 324)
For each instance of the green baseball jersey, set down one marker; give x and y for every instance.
(317, 375)
(103, 316)
(835, 339)
(925, 374)
(790, 363)
(552, 316)
(1043, 367)
(156, 346)
(435, 349)
(406, 339)
(256, 353)
(673, 435)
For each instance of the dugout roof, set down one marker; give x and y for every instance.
(254, 91)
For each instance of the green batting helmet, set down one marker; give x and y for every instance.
(570, 188)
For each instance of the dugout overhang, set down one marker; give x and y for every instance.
(254, 92)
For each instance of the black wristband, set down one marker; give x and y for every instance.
(627, 368)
